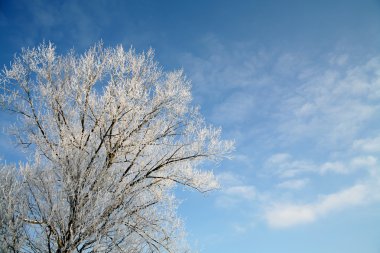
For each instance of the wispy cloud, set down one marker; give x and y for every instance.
(332, 105)
(237, 108)
(286, 215)
(295, 184)
(332, 109)
(283, 165)
(370, 145)
(234, 191)
(306, 120)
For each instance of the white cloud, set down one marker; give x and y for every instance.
(278, 159)
(317, 114)
(352, 196)
(237, 108)
(283, 216)
(371, 145)
(222, 68)
(295, 184)
(246, 192)
(332, 105)
(367, 162)
(336, 167)
(239, 228)
(234, 191)
(285, 166)
(227, 179)
(287, 215)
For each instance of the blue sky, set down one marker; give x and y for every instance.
(295, 83)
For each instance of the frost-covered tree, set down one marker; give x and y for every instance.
(111, 134)
(12, 198)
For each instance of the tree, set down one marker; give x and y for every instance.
(11, 199)
(111, 134)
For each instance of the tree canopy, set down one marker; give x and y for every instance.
(111, 134)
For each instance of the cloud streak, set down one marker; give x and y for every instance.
(288, 215)
(332, 105)
(234, 191)
(295, 184)
(305, 119)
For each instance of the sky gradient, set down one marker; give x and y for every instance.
(296, 84)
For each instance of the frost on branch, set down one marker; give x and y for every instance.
(112, 134)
